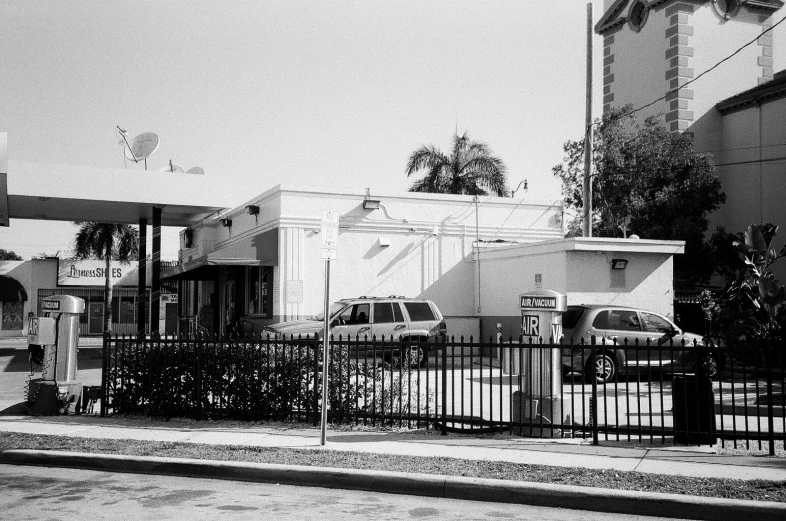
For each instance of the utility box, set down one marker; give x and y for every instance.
(538, 405)
(54, 340)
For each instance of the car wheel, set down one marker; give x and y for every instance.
(710, 366)
(413, 355)
(605, 368)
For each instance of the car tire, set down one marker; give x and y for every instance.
(413, 354)
(711, 366)
(605, 368)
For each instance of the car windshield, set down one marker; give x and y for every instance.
(335, 307)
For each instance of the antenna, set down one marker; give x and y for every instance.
(172, 168)
(141, 147)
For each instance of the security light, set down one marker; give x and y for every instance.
(619, 264)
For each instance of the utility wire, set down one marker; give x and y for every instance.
(703, 73)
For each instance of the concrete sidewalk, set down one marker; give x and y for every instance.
(669, 460)
(624, 456)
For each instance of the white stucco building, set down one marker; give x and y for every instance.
(261, 263)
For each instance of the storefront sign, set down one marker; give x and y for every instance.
(88, 272)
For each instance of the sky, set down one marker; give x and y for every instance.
(310, 93)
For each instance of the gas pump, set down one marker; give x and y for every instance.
(538, 404)
(53, 341)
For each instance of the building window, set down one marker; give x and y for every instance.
(260, 295)
(13, 316)
(726, 8)
(638, 15)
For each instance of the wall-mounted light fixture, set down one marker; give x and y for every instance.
(252, 209)
(226, 223)
(619, 264)
(369, 203)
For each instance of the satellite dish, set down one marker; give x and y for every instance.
(142, 146)
(198, 170)
(172, 168)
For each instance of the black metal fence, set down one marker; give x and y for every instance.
(666, 393)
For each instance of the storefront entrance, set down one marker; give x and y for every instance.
(95, 314)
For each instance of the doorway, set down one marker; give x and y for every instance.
(95, 314)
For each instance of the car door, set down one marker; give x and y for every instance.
(660, 331)
(353, 322)
(624, 327)
(388, 322)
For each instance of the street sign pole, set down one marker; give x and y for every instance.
(329, 233)
(325, 341)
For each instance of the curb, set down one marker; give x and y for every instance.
(430, 485)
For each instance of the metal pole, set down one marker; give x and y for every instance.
(325, 341)
(587, 194)
(477, 242)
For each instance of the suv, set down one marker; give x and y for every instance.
(417, 322)
(630, 339)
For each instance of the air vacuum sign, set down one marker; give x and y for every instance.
(538, 302)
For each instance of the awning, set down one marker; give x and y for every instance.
(11, 290)
(261, 250)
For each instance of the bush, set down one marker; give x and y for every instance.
(255, 381)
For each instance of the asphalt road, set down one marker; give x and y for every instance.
(34, 493)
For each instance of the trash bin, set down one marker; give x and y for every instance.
(694, 410)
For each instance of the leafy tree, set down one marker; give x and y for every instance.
(9, 255)
(470, 169)
(648, 181)
(753, 307)
(108, 242)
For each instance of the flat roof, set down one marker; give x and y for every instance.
(43, 191)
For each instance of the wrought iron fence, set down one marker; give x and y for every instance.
(666, 393)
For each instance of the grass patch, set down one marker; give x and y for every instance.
(760, 490)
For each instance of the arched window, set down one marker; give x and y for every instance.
(638, 15)
(726, 8)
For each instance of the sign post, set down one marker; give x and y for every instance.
(329, 232)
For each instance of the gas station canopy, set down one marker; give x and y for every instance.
(43, 191)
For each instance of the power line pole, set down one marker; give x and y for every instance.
(587, 195)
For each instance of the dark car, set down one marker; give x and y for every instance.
(415, 323)
(630, 339)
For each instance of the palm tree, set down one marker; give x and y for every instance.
(469, 170)
(108, 242)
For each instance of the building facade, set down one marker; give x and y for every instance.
(707, 67)
(45, 277)
(261, 262)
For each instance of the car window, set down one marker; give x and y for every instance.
(419, 311)
(624, 320)
(601, 320)
(383, 313)
(571, 317)
(397, 314)
(656, 324)
(357, 314)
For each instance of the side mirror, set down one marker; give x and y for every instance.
(334, 323)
